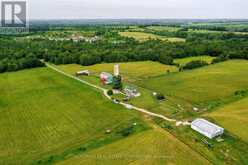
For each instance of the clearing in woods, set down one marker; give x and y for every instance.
(142, 36)
(183, 61)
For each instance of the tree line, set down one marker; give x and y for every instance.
(19, 53)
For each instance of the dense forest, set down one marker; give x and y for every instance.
(19, 53)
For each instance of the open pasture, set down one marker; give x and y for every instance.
(233, 117)
(130, 71)
(43, 113)
(183, 61)
(141, 36)
(151, 147)
(204, 86)
(163, 28)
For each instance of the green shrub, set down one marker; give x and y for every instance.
(117, 82)
(110, 92)
(160, 96)
(220, 59)
(195, 64)
(127, 131)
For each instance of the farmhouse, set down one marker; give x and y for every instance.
(131, 92)
(106, 78)
(206, 128)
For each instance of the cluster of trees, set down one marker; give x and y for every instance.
(220, 59)
(194, 64)
(10, 65)
(19, 53)
(117, 84)
(238, 27)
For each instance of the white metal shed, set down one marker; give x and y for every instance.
(206, 128)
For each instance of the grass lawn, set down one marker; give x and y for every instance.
(43, 113)
(130, 71)
(207, 86)
(183, 61)
(142, 36)
(234, 118)
(149, 147)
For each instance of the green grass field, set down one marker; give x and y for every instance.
(152, 147)
(163, 28)
(184, 61)
(130, 71)
(206, 86)
(234, 118)
(43, 113)
(141, 36)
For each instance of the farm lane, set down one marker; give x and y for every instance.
(106, 95)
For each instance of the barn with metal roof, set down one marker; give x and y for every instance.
(207, 128)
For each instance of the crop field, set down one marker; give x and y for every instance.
(184, 61)
(233, 117)
(163, 28)
(141, 36)
(151, 147)
(130, 71)
(212, 31)
(43, 113)
(206, 86)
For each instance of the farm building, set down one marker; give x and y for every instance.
(131, 92)
(106, 78)
(206, 128)
(84, 72)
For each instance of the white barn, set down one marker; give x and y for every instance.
(206, 128)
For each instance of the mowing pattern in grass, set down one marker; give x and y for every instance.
(42, 113)
(141, 36)
(184, 61)
(234, 118)
(150, 147)
(205, 86)
(130, 71)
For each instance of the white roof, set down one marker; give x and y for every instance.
(206, 127)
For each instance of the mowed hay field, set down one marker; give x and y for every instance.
(184, 61)
(234, 118)
(130, 71)
(142, 36)
(152, 147)
(204, 85)
(43, 113)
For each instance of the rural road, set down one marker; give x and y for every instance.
(106, 95)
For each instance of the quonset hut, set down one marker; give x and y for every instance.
(206, 128)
